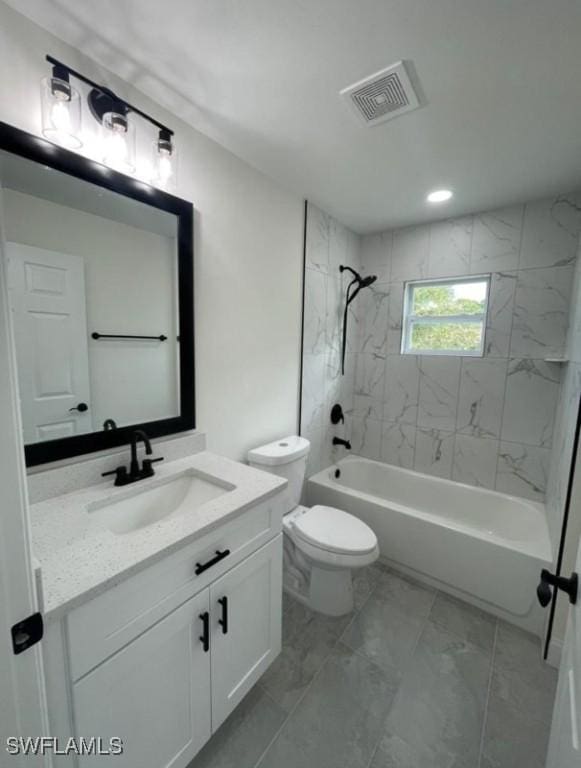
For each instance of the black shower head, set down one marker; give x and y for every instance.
(364, 282)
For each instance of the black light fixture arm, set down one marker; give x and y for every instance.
(62, 69)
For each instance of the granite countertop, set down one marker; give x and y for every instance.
(80, 557)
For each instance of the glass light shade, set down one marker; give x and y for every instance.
(118, 135)
(164, 164)
(61, 112)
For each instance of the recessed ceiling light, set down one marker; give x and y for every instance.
(439, 196)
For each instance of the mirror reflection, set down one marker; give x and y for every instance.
(93, 291)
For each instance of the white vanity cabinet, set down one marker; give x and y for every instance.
(153, 694)
(161, 659)
(245, 605)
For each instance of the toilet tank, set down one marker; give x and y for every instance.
(286, 457)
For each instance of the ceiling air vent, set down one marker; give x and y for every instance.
(382, 96)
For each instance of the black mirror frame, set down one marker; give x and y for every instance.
(39, 150)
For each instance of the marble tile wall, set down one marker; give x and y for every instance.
(328, 244)
(566, 416)
(486, 421)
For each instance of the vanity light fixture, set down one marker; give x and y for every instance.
(439, 196)
(61, 109)
(164, 160)
(115, 117)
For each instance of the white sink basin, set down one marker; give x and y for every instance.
(136, 508)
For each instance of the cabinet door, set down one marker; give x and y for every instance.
(154, 694)
(245, 606)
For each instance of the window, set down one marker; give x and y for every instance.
(445, 317)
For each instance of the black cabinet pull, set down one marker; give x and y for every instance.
(201, 567)
(205, 636)
(223, 622)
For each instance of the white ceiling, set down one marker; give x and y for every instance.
(501, 80)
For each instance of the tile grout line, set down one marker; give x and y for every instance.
(420, 633)
(310, 685)
(486, 705)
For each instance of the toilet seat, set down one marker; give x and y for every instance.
(334, 537)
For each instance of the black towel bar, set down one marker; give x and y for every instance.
(97, 335)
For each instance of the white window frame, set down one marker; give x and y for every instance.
(409, 319)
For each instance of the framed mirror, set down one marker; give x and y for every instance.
(100, 277)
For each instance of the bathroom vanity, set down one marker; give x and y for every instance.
(162, 605)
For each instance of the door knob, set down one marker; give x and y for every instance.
(81, 408)
(548, 580)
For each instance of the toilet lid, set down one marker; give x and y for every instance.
(335, 531)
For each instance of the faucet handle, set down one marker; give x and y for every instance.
(119, 472)
(148, 462)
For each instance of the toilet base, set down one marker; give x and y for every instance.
(326, 590)
(331, 591)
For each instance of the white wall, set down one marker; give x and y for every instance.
(129, 288)
(248, 255)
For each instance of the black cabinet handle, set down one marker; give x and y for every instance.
(223, 622)
(205, 636)
(81, 408)
(201, 567)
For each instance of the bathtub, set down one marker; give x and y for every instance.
(483, 546)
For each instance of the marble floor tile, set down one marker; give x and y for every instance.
(520, 705)
(439, 708)
(243, 737)
(418, 679)
(383, 634)
(466, 621)
(341, 718)
(308, 639)
(410, 596)
(389, 624)
(394, 752)
(520, 654)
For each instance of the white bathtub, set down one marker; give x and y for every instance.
(483, 546)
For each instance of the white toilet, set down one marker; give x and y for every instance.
(322, 545)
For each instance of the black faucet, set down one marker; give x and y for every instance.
(135, 473)
(340, 441)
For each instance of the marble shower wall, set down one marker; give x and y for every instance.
(566, 418)
(328, 244)
(484, 421)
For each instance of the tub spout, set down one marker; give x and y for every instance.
(340, 441)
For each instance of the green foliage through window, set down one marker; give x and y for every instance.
(446, 316)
